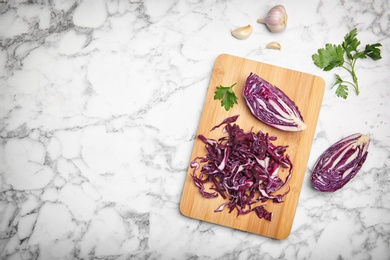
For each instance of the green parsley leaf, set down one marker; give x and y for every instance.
(227, 96)
(345, 56)
(373, 51)
(351, 44)
(342, 90)
(338, 80)
(329, 57)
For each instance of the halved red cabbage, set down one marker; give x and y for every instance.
(271, 105)
(340, 163)
(242, 167)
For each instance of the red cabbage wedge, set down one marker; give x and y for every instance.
(340, 163)
(271, 105)
(242, 167)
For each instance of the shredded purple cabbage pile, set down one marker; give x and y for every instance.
(242, 167)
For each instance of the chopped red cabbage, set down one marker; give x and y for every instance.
(243, 168)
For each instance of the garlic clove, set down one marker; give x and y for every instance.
(242, 32)
(276, 19)
(274, 46)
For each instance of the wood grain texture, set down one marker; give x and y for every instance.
(306, 91)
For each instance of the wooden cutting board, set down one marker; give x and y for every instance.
(307, 91)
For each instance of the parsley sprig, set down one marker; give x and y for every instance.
(345, 56)
(227, 96)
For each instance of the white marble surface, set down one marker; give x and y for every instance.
(99, 107)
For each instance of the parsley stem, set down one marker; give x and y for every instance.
(348, 82)
(347, 69)
(355, 79)
(351, 70)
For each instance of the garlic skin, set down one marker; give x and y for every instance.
(242, 32)
(276, 19)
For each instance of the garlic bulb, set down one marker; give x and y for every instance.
(276, 19)
(242, 32)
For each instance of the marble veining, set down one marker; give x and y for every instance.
(99, 107)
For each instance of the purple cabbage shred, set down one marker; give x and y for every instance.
(243, 168)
